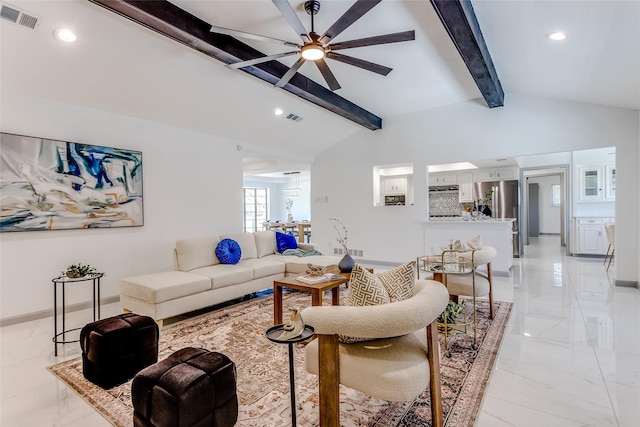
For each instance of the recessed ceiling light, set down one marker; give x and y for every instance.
(557, 35)
(278, 111)
(64, 34)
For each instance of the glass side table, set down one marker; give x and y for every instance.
(273, 333)
(60, 337)
(442, 265)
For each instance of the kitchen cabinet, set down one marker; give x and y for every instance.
(610, 182)
(592, 239)
(395, 185)
(465, 187)
(497, 174)
(442, 179)
(590, 183)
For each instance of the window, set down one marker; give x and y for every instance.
(555, 195)
(255, 208)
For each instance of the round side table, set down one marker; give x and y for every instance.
(273, 333)
(62, 281)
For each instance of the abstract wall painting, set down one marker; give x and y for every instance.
(54, 185)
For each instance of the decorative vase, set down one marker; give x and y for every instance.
(346, 263)
(289, 218)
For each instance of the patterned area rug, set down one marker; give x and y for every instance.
(263, 380)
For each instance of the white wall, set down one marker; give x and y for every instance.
(549, 216)
(465, 131)
(192, 187)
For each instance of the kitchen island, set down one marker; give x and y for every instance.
(494, 232)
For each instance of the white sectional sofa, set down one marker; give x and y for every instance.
(200, 280)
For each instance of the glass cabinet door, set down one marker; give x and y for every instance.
(610, 182)
(590, 183)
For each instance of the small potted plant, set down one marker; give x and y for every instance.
(450, 314)
(75, 271)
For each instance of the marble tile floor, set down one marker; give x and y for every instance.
(570, 355)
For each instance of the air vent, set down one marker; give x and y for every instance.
(294, 117)
(18, 17)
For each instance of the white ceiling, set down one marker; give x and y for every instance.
(119, 66)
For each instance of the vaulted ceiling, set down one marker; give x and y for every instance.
(120, 66)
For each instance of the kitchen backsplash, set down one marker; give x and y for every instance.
(444, 203)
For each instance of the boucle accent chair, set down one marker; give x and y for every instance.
(397, 364)
(463, 284)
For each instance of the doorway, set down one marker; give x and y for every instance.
(561, 172)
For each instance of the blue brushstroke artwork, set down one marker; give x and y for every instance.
(52, 185)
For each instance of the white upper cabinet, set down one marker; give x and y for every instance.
(610, 182)
(442, 179)
(465, 187)
(591, 183)
(394, 186)
(498, 174)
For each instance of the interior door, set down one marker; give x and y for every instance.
(534, 210)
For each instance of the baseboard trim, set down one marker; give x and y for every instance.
(13, 320)
(628, 284)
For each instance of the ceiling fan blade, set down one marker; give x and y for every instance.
(354, 13)
(287, 76)
(245, 35)
(327, 74)
(242, 64)
(375, 40)
(369, 66)
(290, 15)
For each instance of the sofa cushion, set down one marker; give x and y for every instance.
(196, 252)
(228, 251)
(265, 242)
(263, 267)
(285, 241)
(222, 275)
(247, 244)
(160, 287)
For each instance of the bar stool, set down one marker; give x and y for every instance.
(610, 231)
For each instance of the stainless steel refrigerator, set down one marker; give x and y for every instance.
(504, 203)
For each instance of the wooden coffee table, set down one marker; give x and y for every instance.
(317, 291)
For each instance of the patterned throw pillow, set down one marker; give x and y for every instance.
(399, 281)
(364, 289)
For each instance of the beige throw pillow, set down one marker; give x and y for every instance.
(475, 243)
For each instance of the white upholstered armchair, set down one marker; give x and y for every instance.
(400, 361)
(477, 283)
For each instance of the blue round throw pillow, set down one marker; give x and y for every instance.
(228, 251)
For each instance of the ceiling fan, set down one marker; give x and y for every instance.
(316, 47)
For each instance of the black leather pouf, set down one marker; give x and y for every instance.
(115, 349)
(192, 387)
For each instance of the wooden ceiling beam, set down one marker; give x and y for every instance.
(177, 24)
(461, 23)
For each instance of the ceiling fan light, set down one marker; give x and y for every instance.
(312, 52)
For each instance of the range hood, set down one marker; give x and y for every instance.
(438, 188)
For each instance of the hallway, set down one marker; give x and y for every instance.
(571, 352)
